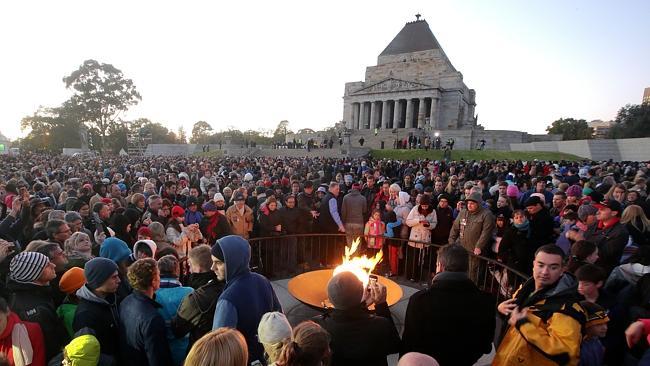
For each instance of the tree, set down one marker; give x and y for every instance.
(633, 120)
(201, 132)
(100, 94)
(181, 135)
(281, 132)
(50, 129)
(571, 129)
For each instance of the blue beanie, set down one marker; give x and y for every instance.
(114, 249)
(98, 270)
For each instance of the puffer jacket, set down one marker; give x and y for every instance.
(472, 230)
(34, 334)
(552, 331)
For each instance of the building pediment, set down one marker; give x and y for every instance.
(391, 85)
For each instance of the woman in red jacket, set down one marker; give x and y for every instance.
(18, 334)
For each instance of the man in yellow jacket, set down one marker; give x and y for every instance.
(545, 316)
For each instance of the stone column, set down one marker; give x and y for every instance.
(433, 119)
(409, 114)
(355, 116)
(385, 115)
(373, 114)
(362, 115)
(397, 113)
(422, 112)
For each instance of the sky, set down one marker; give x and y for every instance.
(250, 64)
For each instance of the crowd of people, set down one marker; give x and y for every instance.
(147, 260)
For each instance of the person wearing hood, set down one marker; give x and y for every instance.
(245, 292)
(31, 297)
(84, 350)
(422, 219)
(17, 335)
(544, 315)
(98, 308)
(117, 251)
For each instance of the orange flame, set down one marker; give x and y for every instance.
(359, 266)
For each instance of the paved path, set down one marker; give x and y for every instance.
(296, 312)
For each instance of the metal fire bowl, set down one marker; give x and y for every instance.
(311, 288)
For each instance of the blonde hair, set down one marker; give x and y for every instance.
(71, 245)
(223, 347)
(630, 215)
(309, 346)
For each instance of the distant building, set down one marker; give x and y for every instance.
(5, 144)
(601, 128)
(646, 96)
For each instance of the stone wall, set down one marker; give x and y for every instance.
(602, 149)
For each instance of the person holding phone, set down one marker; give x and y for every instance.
(358, 336)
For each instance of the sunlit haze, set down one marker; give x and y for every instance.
(252, 64)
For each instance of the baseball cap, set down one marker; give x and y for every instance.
(613, 205)
(322, 189)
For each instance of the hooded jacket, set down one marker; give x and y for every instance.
(552, 331)
(100, 315)
(34, 303)
(246, 297)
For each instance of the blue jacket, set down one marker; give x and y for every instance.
(142, 332)
(246, 297)
(169, 296)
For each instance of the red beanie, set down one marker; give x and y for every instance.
(145, 231)
(178, 211)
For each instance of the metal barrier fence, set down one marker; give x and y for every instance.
(285, 256)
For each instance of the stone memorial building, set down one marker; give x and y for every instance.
(414, 90)
(413, 85)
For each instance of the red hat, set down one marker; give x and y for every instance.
(145, 231)
(177, 211)
(107, 200)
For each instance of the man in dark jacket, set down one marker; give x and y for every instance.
(541, 223)
(29, 283)
(196, 312)
(142, 328)
(608, 234)
(97, 307)
(358, 337)
(437, 319)
(354, 211)
(246, 293)
(213, 225)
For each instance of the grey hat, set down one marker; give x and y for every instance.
(72, 216)
(345, 290)
(27, 266)
(586, 210)
(273, 328)
(476, 197)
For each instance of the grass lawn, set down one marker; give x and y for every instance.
(471, 155)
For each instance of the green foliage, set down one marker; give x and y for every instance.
(571, 129)
(201, 132)
(50, 130)
(280, 133)
(100, 94)
(632, 121)
(472, 155)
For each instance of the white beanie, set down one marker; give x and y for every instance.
(273, 328)
(248, 177)
(218, 197)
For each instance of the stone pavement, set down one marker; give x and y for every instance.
(296, 312)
